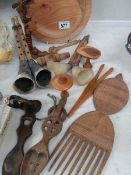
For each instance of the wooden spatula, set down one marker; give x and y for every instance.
(86, 145)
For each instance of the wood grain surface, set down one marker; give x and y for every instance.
(111, 95)
(44, 22)
(90, 137)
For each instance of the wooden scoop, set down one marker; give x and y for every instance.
(90, 137)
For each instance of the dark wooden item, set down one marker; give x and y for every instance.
(13, 160)
(91, 136)
(111, 95)
(37, 157)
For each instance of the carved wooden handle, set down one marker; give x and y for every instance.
(13, 160)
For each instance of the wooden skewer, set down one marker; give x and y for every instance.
(89, 91)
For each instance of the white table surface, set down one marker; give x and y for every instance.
(108, 36)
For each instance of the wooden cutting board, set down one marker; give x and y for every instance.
(57, 21)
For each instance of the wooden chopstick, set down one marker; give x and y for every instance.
(89, 90)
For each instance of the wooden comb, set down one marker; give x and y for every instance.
(87, 145)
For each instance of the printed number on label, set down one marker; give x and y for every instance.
(64, 25)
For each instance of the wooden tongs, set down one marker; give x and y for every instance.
(90, 88)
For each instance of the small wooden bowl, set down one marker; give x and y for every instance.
(89, 52)
(62, 82)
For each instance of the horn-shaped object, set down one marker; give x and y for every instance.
(58, 68)
(82, 75)
(41, 75)
(24, 82)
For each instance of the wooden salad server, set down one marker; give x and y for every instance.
(13, 160)
(37, 157)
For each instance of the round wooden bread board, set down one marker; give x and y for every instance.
(58, 21)
(111, 95)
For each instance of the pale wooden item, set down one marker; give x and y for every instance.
(54, 49)
(90, 88)
(56, 57)
(62, 82)
(90, 53)
(49, 14)
(111, 95)
(91, 136)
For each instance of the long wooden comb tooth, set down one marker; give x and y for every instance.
(97, 162)
(59, 144)
(91, 160)
(61, 151)
(85, 145)
(106, 156)
(84, 159)
(72, 156)
(73, 144)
